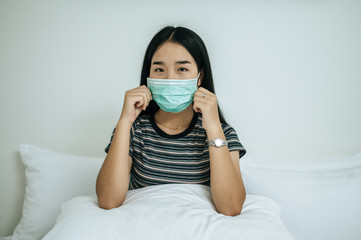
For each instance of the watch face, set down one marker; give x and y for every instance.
(218, 142)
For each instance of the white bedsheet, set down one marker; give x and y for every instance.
(6, 238)
(171, 212)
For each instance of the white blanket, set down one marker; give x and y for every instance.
(171, 212)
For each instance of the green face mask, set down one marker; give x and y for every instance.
(172, 95)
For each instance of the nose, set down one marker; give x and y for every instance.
(171, 75)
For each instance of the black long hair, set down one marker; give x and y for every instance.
(195, 46)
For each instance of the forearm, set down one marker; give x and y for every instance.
(113, 178)
(227, 188)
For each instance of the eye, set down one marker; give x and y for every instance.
(158, 70)
(182, 69)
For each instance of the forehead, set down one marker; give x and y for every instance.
(172, 52)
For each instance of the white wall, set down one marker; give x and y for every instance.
(287, 75)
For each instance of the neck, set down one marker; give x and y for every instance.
(175, 120)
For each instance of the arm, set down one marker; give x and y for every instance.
(227, 188)
(113, 178)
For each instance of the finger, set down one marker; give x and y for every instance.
(138, 100)
(198, 106)
(145, 96)
(203, 90)
(203, 97)
(197, 93)
(149, 93)
(143, 93)
(145, 104)
(200, 99)
(144, 90)
(199, 90)
(195, 108)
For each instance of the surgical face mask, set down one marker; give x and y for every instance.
(172, 95)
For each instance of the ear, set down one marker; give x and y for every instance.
(200, 79)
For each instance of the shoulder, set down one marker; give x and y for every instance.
(234, 143)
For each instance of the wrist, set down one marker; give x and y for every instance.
(218, 142)
(124, 123)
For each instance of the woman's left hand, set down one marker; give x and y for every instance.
(205, 102)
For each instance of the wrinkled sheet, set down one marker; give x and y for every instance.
(168, 211)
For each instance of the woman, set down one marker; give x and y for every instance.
(171, 129)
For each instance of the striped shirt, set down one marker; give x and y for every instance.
(160, 158)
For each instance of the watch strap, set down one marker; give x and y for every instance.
(218, 142)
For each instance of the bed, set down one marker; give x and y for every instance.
(299, 199)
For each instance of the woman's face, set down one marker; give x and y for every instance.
(173, 61)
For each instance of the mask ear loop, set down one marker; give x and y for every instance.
(198, 80)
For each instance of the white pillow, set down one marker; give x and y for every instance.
(51, 179)
(168, 211)
(320, 197)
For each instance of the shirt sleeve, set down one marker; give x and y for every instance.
(233, 142)
(132, 130)
(111, 139)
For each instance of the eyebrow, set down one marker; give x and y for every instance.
(183, 62)
(178, 62)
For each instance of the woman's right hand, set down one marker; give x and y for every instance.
(135, 100)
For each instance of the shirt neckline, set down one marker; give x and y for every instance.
(179, 135)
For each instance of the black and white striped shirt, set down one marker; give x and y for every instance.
(160, 158)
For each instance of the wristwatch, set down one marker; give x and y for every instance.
(218, 142)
